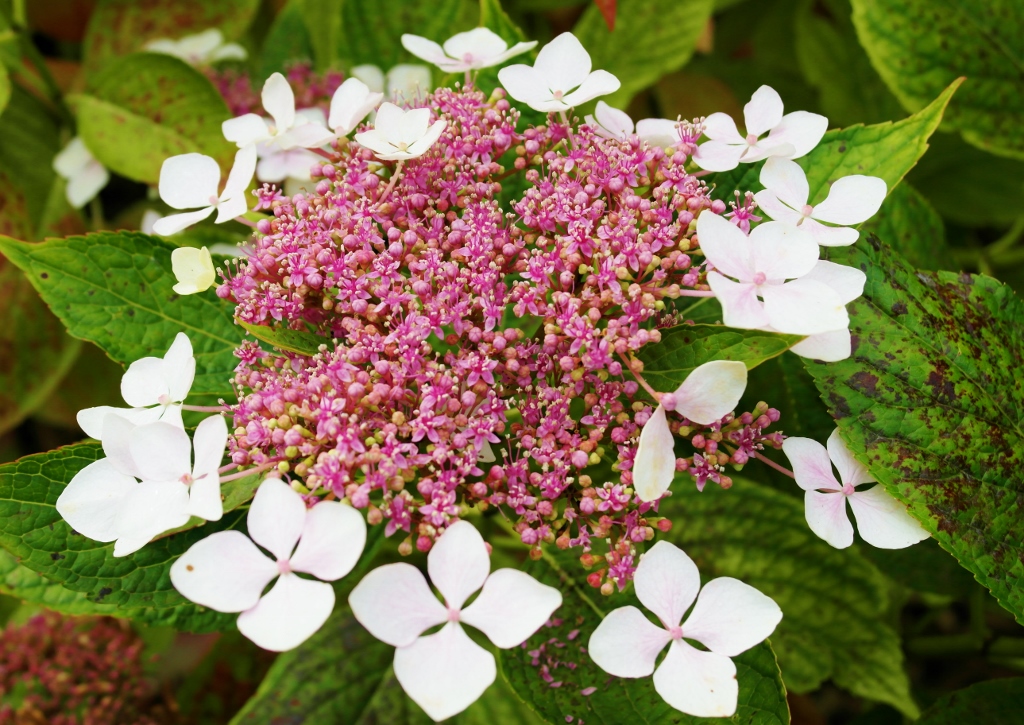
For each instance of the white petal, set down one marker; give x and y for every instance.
(86, 184)
(72, 158)
(654, 466)
(204, 498)
(149, 510)
(428, 139)
(811, 465)
(458, 563)
(517, 49)
(667, 582)
(597, 84)
(371, 75)
(826, 515)
(332, 541)
(563, 63)
(444, 673)
(851, 200)
(241, 173)
(769, 203)
(851, 470)
(726, 246)
(718, 156)
(524, 83)
(412, 126)
(228, 51)
(162, 452)
(350, 105)
(91, 500)
(782, 251)
(825, 346)
(193, 268)
(711, 390)
(91, 420)
(306, 136)
(245, 130)
(698, 683)
(282, 165)
(174, 223)
(659, 132)
(801, 130)
(225, 571)
(730, 617)
(616, 122)
(376, 142)
(827, 236)
(511, 607)
(408, 81)
(478, 42)
(276, 517)
(848, 282)
(388, 122)
(740, 306)
(395, 604)
(786, 180)
(425, 49)
(179, 367)
(804, 307)
(116, 439)
(763, 112)
(189, 181)
(279, 101)
(210, 439)
(721, 127)
(883, 521)
(289, 614)
(626, 643)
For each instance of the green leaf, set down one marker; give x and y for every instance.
(923, 567)
(119, 27)
(494, 17)
(685, 347)
(651, 38)
(138, 585)
(323, 28)
(616, 701)
(832, 600)
(912, 226)
(22, 583)
(920, 46)
(29, 139)
(372, 36)
(931, 401)
(303, 343)
(114, 289)
(287, 41)
(5, 87)
(996, 702)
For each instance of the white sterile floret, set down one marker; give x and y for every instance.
(759, 266)
(199, 49)
(277, 164)
(881, 519)
(289, 129)
(398, 134)
(85, 175)
(707, 394)
(155, 388)
(790, 136)
(848, 283)
(351, 103)
(193, 268)
(559, 79)
(227, 572)
(851, 200)
(612, 123)
(472, 50)
(445, 672)
(729, 618)
(191, 180)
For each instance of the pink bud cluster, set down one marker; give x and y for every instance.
(312, 89)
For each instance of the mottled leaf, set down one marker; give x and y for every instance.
(29, 138)
(29, 586)
(911, 225)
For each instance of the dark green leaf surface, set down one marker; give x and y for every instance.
(287, 42)
(912, 226)
(372, 36)
(29, 586)
(996, 702)
(29, 139)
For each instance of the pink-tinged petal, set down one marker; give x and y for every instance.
(721, 127)
(116, 438)
(245, 130)
(395, 604)
(726, 246)
(446, 672)
(851, 470)
(204, 498)
(174, 223)
(478, 42)
(147, 511)
(210, 439)
(811, 465)
(659, 132)
(852, 200)
(241, 174)
(161, 451)
(332, 541)
(801, 130)
(276, 517)
(702, 684)
(511, 607)
(288, 614)
(826, 515)
(517, 49)
(91, 500)
(763, 112)
(730, 617)
(804, 307)
(740, 306)
(597, 84)
(615, 122)
(281, 165)
(279, 101)
(179, 367)
(459, 563)
(654, 466)
(782, 251)
(86, 184)
(848, 282)
(305, 136)
(667, 582)
(189, 180)
(825, 346)
(773, 208)
(718, 155)
(428, 139)
(711, 390)
(883, 521)
(91, 420)
(626, 643)
(524, 84)
(563, 63)
(827, 236)
(424, 49)
(225, 571)
(786, 180)
(143, 383)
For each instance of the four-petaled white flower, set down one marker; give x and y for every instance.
(729, 618)
(84, 174)
(472, 50)
(445, 672)
(288, 130)
(612, 123)
(848, 283)
(398, 134)
(191, 180)
(350, 104)
(761, 263)
(193, 268)
(227, 572)
(155, 388)
(706, 395)
(790, 136)
(559, 79)
(881, 519)
(851, 200)
(200, 49)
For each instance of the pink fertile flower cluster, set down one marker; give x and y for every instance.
(477, 312)
(312, 89)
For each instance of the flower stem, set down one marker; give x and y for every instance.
(696, 293)
(326, 154)
(206, 408)
(248, 472)
(391, 184)
(640, 379)
(769, 462)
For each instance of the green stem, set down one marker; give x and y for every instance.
(1008, 240)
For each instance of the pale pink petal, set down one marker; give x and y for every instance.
(179, 367)
(84, 185)
(804, 307)
(782, 251)
(229, 209)
(615, 122)
(424, 49)
(279, 101)
(332, 541)
(395, 604)
(883, 521)
(654, 466)
(825, 346)
(773, 208)
(147, 511)
(763, 112)
(811, 465)
(288, 614)
(726, 246)
(225, 571)
(826, 515)
(276, 517)
(458, 563)
(525, 84)
(597, 84)
(388, 121)
(480, 43)
(91, 500)
(851, 470)
(162, 452)
(376, 142)
(626, 643)
(245, 130)
(667, 582)
(174, 223)
(786, 180)
(702, 684)
(730, 617)
(851, 200)
(801, 130)
(563, 63)
(721, 127)
(711, 390)
(740, 306)
(281, 165)
(511, 607)
(189, 180)
(659, 132)
(144, 382)
(827, 236)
